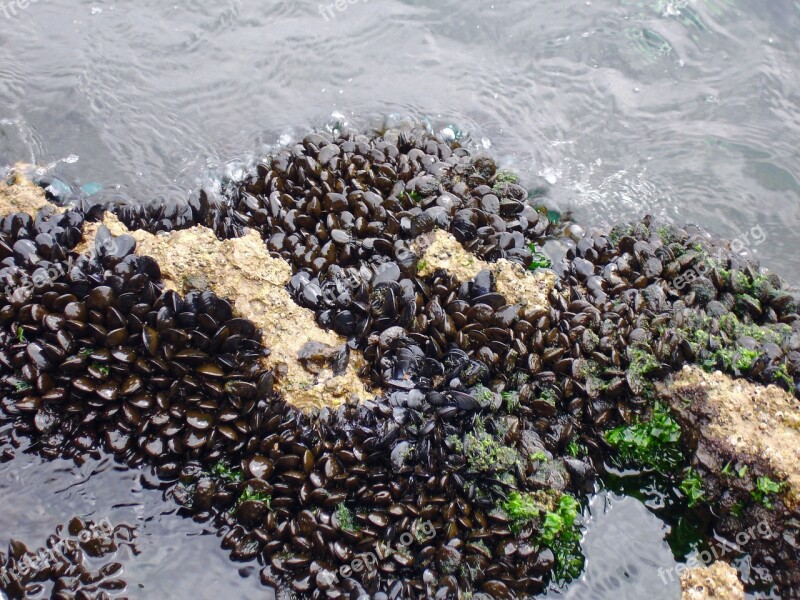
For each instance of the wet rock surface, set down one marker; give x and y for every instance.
(744, 444)
(500, 388)
(706, 583)
(242, 271)
(19, 194)
(763, 422)
(529, 290)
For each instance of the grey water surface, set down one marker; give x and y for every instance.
(685, 109)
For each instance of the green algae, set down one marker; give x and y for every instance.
(575, 449)
(502, 178)
(692, 487)
(345, 518)
(511, 401)
(485, 454)
(538, 456)
(221, 470)
(642, 365)
(523, 509)
(745, 359)
(653, 444)
(102, 368)
(539, 259)
(252, 494)
(765, 489)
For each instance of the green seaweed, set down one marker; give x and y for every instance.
(549, 396)
(511, 401)
(575, 449)
(781, 375)
(251, 494)
(484, 396)
(746, 359)
(540, 455)
(414, 196)
(221, 470)
(765, 488)
(654, 443)
(642, 364)
(559, 529)
(539, 259)
(665, 233)
(502, 178)
(485, 454)
(346, 518)
(692, 487)
(522, 509)
(102, 368)
(562, 535)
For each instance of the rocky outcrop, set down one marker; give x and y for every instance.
(18, 194)
(744, 442)
(243, 271)
(746, 422)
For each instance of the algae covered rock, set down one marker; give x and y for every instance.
(739, 421)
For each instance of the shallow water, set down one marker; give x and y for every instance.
(681, 108)
(687, 109)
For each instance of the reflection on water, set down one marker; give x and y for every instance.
(628, 558)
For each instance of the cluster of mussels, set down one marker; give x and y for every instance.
(483, 396)
(96, 353)
(68, 567)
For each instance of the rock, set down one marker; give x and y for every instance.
(747, 418)
(243, 271)
(719, 581)
(18, 194)
(441, 250)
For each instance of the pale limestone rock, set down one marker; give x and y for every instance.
(718, 582)
(242, 271)
(440, 250)
(22, 195)
(754, 419)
